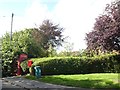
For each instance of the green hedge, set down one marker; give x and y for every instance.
(78, 65)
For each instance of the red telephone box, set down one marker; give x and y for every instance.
(21, 58)
(30, 62)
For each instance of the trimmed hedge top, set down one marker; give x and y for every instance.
(78, 65)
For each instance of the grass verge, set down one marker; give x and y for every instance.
(103, 80)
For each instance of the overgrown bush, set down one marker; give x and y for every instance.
(78, 65)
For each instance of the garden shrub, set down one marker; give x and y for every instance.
(78, 65)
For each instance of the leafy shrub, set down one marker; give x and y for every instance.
(78, 65)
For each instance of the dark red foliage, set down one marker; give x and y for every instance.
(52, 34)
(106, 32)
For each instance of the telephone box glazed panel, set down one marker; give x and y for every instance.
(21, 58)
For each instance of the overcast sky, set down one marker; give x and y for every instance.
(76, 16)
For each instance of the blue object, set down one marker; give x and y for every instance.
(37, 71)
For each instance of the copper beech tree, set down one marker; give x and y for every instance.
(106, 32)
(51, 34)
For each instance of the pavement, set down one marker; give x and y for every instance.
(20, 83)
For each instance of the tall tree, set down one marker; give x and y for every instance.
(22, 42)
(51, 34)
(106, 33)
(36, 42)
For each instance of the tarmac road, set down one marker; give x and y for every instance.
(19, 83)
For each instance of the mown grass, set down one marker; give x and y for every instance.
(103, 80)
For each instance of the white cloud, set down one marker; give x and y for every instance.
(76, 16)
(34, 14)
(37, 12)
(4, 25)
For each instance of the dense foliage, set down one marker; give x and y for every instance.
(78, 65)
(52, 34)
(21, 42)
(106, 33)
(35, 42)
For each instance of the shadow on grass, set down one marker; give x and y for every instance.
(87, 83)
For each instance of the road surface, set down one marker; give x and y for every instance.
(19, 83)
